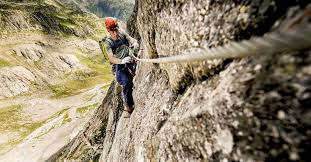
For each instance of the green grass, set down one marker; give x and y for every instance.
(4, 147)
(90, 98)
(12, 120)
(105, 87)
(74, 87)
(96, 63)
(58, 114)
(67, 119)
(85, 109)
(4, 63)
(101, 74)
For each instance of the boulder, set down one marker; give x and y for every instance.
(31, 52)
(15, 81)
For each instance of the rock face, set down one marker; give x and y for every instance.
(250, 109)
(87, 145)
(37, 66)
(14, 81)
(30, 52)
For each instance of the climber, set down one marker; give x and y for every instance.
(119, 47)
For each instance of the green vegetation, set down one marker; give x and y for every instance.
(55, 17)
(97, 64)
(74, 87)
(90, 98)
(9, 116)
(4, 147)
(100, 74)
(67, 119)
(105, 87)
(58, 114)
(12, 120)
(4, 63)
(83, 110)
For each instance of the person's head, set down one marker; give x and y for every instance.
(111, 26)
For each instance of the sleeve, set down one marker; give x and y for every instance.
(108, 48)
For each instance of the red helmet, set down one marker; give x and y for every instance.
(111, 23)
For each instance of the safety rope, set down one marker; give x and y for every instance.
(275, 42)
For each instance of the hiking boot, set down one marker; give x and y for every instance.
(128, 109)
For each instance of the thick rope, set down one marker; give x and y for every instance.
(271, 43)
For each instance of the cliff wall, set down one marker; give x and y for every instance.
(249, 109)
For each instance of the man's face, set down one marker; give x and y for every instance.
(113, 33)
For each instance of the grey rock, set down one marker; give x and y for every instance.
(15, 81)
(214, 110)
(30, 52)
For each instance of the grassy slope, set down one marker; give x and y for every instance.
(4, 63)
(50, 16)
(63, 24)
(65, 20)
(13, 121)
(100, 75)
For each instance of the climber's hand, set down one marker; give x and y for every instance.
(135, 45)
(126, 60)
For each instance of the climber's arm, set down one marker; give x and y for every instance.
(111, 58)
(115, 60)
(133, 42)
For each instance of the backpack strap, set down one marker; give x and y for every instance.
(102, 46)
(110, 41)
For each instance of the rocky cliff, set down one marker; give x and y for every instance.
(249, 109)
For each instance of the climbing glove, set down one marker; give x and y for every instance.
(135, 45)
(126, 60)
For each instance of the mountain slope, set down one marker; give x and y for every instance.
(121, 9)
(49, 16)
(52, 75)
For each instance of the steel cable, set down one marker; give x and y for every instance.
(275, 42)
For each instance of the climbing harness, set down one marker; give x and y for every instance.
(271, 43)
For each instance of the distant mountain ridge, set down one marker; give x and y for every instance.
(121, 9)
(51, 16)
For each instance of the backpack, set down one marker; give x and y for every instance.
(102, 46)
(113, 44)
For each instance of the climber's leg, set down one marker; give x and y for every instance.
(125, 79)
